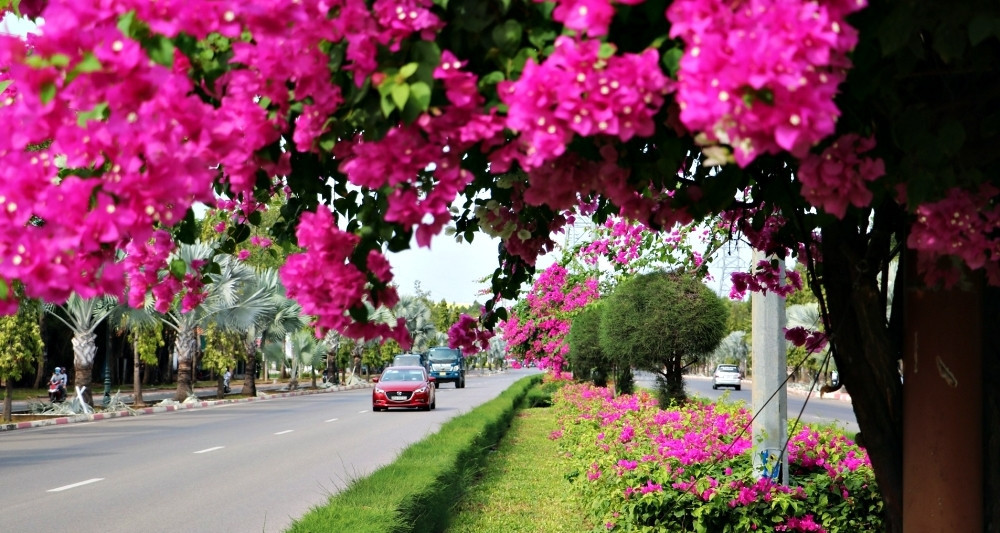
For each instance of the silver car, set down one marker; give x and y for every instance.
(727, 376)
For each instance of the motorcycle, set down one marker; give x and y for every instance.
(57, 394)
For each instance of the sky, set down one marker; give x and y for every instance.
(448, 270)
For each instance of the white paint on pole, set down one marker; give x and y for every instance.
(770, 368)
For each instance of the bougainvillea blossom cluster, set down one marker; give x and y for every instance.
(963, 225)
(838, 176)
(761, 75)
(539, 332)
(328, 286)
(644, 462)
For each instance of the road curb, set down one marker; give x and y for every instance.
(155, 409)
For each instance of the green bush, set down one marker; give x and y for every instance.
(417, 491)
(541, 395)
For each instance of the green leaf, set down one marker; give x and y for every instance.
(4, 289)
(4, 84)
(48, 92)
(400, 93)
(178, 268)
(981, 27)
(125, 22)
(420, 92)
(507, 36)
(607, 50)
(59, 60)
(160, 50)
(89, 63)
(408, 69)
(387, 107)
(672, 60)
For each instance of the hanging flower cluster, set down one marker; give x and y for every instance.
(963, 225)
(761, 75)
(838, 176)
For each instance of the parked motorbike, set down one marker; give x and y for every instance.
(57, 393)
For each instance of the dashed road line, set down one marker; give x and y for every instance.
(331, 420)
(285, 431)
(75, 485)
(212, 449)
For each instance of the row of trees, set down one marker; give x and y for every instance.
(243, 318)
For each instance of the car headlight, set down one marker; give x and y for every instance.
(379, 389)
(421, 389)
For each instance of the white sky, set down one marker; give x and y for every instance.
(447, 270)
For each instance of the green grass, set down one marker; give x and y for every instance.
(522, 488)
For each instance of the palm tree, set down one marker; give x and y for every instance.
(82, 316)
(419, 321)
(305, 350)
(277, 316)
(232, 300)
(144, 328)
(732, 348)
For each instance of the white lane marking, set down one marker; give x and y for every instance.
(285, 431)
(75, 485)
(212, 449)
(332, 420)
(365, 411)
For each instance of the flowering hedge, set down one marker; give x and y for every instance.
(638, 467)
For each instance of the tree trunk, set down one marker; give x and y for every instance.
(137, 400)
(8, 400)
(250, 376)
(84, 351)
(186, 344)
(866, 358)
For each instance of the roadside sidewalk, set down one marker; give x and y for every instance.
(153, 409)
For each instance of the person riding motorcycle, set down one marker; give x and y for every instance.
(58, 380)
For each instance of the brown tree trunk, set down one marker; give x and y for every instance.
(84, 351)
(137, 400)
(866, 358)
(8, 400)
(186, 346)
(40, 368)
(250, 376)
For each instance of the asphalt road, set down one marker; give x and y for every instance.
(244, 467)
(816, 410)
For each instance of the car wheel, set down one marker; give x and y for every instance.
(461, 383)
(715, 387)
(376, 409)
(738, 387)
(437, 384)
(434, 404)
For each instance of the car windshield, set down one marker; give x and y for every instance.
(402, 375)
(728, 368)
(444, 356)
(407, 360)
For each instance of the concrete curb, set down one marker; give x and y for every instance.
(840, 395)
(10, 426)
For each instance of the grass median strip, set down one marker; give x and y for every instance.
(522, 488)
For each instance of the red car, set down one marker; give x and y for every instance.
(404, 386)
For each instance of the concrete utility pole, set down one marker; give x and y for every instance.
(770, 428)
